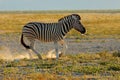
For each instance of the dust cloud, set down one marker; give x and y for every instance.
(6, 54)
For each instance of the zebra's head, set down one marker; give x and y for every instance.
(74, 20)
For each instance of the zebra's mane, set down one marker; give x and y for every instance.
(66, 18)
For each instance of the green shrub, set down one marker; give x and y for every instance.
(116, 54)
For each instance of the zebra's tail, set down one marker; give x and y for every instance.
(23, 43)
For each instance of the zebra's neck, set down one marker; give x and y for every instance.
(66, 27)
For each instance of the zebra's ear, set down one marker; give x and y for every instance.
(76, 16)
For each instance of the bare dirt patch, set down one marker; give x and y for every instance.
(10, 44)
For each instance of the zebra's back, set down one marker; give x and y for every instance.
(45, 32)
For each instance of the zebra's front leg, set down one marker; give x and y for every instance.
(56, 49)
(32, 47)
(64, 47)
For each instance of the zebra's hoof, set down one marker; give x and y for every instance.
(60, 54)
(40, 58)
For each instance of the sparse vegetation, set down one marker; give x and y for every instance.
(68, 67)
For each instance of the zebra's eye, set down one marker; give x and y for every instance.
(78, 22)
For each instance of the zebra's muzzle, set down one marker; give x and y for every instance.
(83, 30)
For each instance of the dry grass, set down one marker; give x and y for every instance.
(100, 24)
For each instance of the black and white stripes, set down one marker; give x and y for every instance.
(50, 32)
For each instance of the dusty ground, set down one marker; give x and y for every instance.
(10, 45)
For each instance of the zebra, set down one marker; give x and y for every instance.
(51, 32)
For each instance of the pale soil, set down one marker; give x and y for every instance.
(10, 45)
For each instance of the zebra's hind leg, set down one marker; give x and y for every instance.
(32, 47)
(64, 47)
(56, 49)
(30, 54)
